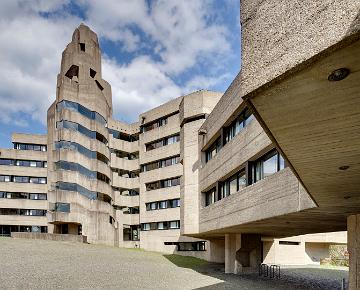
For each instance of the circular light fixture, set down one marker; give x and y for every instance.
(339, 74)
(345, 167)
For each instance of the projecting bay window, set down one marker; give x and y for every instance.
(267, 165)
(213, 150)
(233, 184)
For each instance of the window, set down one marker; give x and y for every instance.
(191, 246)
(76, 188)
(81, 129)
(33, 147)
(174, 203)
(237, 125)
(4, 178)
(210, 196)
(233, 184)
(268, 164)
(162, 142)
(38, 196)
(213, 150)
(289, 243)
(174, 225)
(163, 183)
(163, 204)
(162, 226)
(145, 227)
(161, 163)
(67, 145)
(124, 136)
(152, 125)
(62, 207)
(75, 107)
(131, 232)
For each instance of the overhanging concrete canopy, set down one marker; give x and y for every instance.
(316, 124)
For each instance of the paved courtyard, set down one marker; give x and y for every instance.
(33, 264)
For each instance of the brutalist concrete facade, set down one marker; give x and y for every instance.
(159, 184)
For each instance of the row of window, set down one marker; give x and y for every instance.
(25, 163)
(20, 211)
(154, 124)
(6, 230)
(163, 183)
(22, 179)
(32, 147)
(160, 163)
(162, 142)
(125, 155)
(229, 132)
(125, 173)
(71, 166)
(123, 136)
(23, 195)
(75, 107)
(168, 225)
(64, 124)
(188, 246)
(266, 165)
(67, 145)
(163, 204)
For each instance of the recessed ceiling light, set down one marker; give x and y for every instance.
(339, 74)
(345, 167)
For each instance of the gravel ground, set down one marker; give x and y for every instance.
(36, 264)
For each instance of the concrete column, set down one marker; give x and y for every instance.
(353, 232)
(232, 244)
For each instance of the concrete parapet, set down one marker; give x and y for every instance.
(50, 237)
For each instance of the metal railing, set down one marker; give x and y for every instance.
(272, 271)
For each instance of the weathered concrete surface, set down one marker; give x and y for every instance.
(50, 237)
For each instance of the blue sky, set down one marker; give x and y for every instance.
(153, 51)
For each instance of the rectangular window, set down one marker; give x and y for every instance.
(237, 125)
(233, 184)
(213, 150)
(174, 225)
(162, 142)
(62, 207)
(267, 165)
(162, 204)
(145, 227)
(162, 226)
(210, 196)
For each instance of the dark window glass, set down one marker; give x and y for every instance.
(76, 188)
(213, 150)
(237, 125)
(267, 165)
(82, 110)
(210, 196)
(81, 129)
(62, 207)
(162, 142)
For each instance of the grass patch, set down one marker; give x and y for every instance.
(185, 261)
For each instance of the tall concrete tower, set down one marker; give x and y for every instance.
(79, 173)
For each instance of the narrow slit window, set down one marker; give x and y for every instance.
(82, 46)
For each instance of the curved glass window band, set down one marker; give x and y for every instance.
(75, 107)
(64, 124)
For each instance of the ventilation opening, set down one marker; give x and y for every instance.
(72, 72)
(82, 46)
(92, 73)
(99, 86)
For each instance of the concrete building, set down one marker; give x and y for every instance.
(197, 175)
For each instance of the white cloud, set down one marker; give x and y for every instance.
(178, 33)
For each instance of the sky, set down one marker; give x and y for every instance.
(152, 52)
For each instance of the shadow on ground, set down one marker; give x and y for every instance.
(297, 278)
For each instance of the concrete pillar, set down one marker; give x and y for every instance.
(232, 244)
(353, 232)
